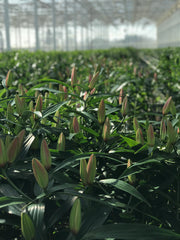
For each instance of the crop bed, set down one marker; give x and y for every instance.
(90, 145)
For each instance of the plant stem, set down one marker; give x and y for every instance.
(14, 186)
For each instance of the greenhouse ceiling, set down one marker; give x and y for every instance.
(113, 12)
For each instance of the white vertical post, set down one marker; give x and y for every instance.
(66, 25)
(75, 26)
(36, 24)
(6, 20)
(54, 24)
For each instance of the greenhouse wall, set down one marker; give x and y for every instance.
(168, 31)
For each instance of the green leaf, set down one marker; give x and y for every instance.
(9, 201)
(36, 211)
(130, 231)
(130, 141)
(125, 187)
(52, 109)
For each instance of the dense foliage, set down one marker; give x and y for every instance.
(90, 145)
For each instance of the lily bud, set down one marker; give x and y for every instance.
(45, 155)
(172, 108)
(139, 136)
(20, 105)
(85, 96)
(124, 109)
(73, 77)
(83, 171)
(121, 96)
(93, 80)
(166, 107)
(39, 104)
(91, 169)
(56, 118)
(31, 107)
(171, 133)
(101, 112)
(131, 177)
(40, 173)
(9, 113)
(75, 125)
(162, 130)
(12, 150)
(150, 136)
(65, 91)
(20, 137)
(135, 124)
(61, 142)
(27, 227)
(75, 217)
(3, 157)
(9, 79)
(92, 91)
(106, 130)
(46, 100)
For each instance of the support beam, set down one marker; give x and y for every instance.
(36, 24)
(66, 25)
(54, 24)
(75, 26)
(6, 20)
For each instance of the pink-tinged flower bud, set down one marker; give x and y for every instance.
(139, 136)
(39, 104)
(73, 77)
(135, 124)
(150, 136)
(36, 94)
(75, 217)
(101, 112)
(92, 91)
(40, 173)
(45, 155)
(83, 171)
(93, 80)
(20, 137)
(46, 99)
(7, 141)
(166, 107)
(20, 105)
(9, 79)
(178, 131)
(91, 169)
(121, 96)
(56, 118)
(9, 113)
(171, 133)
(12, 150)
(124, 109)
(65, 92)
(106, 130)
(61, 142)
(172, 108)
(31, 107)
(155, 76)
(139, 74)
(85, 96)
(134, 71)
(27, 227)
(131, 177)
(3, 157)
(162, 130)
(75, 125)
(21, 89)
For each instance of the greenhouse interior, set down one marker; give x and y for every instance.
(89, 119)
(68, 25)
